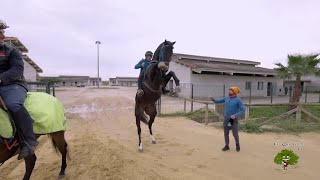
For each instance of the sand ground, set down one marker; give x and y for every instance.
(103, 143)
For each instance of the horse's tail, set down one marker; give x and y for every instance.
(59, 135)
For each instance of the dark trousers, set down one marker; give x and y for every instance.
(234, 129)
(140, 81)
(14, 97)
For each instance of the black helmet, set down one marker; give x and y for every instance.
(148, 53)
(3, 25)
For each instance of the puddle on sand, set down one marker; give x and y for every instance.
(84, 109)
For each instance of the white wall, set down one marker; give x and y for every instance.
(183, 73)
(30, 73)
(206, 84)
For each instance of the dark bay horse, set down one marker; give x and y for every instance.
(9, 150)
(155, 78)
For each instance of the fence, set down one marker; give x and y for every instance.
(270, 112)
(41, 87)
(251, 93)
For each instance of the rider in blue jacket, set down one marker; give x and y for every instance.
(143, 65)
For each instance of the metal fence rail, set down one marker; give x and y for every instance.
(41, 87)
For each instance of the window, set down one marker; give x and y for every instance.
(260, 85)
(248, 85)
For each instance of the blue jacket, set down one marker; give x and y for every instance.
(232, 106)
(139, 65)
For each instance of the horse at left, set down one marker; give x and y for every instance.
(48, 118)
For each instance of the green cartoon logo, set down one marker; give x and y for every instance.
(286, 157)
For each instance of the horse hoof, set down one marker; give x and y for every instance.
(141, 150)
(154, 142)
(177, 89)
(61, 177)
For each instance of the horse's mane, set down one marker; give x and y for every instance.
(156, 53)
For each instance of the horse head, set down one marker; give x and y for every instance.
(165, 53)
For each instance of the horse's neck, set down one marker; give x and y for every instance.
(156, 53)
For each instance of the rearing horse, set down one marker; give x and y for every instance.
(155, 78)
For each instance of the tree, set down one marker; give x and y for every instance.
(50, 80)
(298, 66)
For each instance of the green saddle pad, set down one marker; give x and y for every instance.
(6, 130)
(46, 111)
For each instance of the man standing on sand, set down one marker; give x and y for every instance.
(233, 110)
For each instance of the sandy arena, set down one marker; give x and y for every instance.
(103, 143)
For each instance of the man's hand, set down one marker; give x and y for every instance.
(142, 64)
(233, 117)
(210, 98)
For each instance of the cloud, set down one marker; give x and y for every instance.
(61, 35)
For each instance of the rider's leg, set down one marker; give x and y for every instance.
(140, 91)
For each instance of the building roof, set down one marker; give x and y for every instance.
(32, 63)
(17, 43)
(201, 66)
(213, 59)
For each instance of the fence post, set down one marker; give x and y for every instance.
(206, 116)
(306, 98)
(191, 97)
(224, 90)
(290, 94)
(159, 105)
(185, 105)
(250, 91)
(247, 113)
(48, 87)
(319, 97)
(298, 114)
(53, 90)
(271, 93)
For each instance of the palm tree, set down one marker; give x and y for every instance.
(298, 66)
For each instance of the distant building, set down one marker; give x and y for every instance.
(112, 81)
(65, 80)
(123, 81)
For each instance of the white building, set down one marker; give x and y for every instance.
(31, 69)
(214, 76)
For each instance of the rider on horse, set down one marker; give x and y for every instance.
(13, 90)
(143, 65)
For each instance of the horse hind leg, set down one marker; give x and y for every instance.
(152, 112)
(139, 132)
(59, 142)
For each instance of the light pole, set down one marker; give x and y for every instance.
(98, 43)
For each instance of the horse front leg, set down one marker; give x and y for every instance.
(176, 80)
(30, 161)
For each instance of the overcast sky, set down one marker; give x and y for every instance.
(61, 34)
